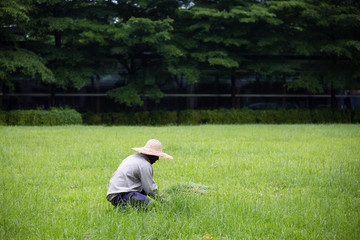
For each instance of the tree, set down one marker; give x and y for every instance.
(140, 45)
(328, 36)
(152, 43)
(15, 59)
(54, 33)
(227, 34)
(139, 42)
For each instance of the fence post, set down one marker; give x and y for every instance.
(2, 95)
(233, 89)
(283, 89)
(97, 90)
(190, 100)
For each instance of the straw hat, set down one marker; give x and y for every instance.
(153, 147)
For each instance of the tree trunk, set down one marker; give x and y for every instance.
(145, 105)
(283, 89)
(233, 90)
(52, 95)
(57, 37)
(97, 90)
(191, 100)
(333, 98)
(1, 97)
(217, 89)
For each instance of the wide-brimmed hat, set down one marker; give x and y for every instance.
(153, 147)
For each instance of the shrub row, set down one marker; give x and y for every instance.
(50, 117)
(183, 117)
(223, 116)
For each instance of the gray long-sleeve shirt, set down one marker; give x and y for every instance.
(135, 173)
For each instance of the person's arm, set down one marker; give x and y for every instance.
(147, 181)
(149, 184)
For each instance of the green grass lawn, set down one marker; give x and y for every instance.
(225, 182)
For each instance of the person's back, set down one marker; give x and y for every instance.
(135, 174)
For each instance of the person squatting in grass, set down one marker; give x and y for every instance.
(133, 181)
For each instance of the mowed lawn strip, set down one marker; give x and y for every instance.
(225, 182)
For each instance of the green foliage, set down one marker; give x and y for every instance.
(151, 43)
(356, 116)
(223, 116)
(15, 59)
(322, 30)
(344, 116)
(61, 33)
(308, 81)
(13, 11)
(267, 116)
(50, 117)
(127, 94)
(3, 118)
(228, 116)
(189, 117)
(322, 116)
(190, 72)
(123, 118)
(142, 118)
(254, 14)
(141, 46)
(23, 61)
(106, 118)
(90, 118)
(145, 31)
(295, 116)
(162, 117)
(183, 117)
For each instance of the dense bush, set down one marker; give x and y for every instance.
(163, 117)
(123, 118)
(224, 116)
(322, 116)
(91, 118)
(3, 118)
(296, 116)
(189, 117)
(356, 116)
(183, 117)
(343, 116)
(44, 117)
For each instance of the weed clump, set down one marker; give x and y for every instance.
(189, 187)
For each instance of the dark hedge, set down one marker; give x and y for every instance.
(50, 117)
(224, 116)
(184, 117)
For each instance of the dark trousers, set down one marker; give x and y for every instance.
(135, 199)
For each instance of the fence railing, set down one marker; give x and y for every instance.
(182, 95)
(176, 101)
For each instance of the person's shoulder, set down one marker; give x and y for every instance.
(142, 159)
(130, 159)
(133, 161)
(131, 156)
(136, 157)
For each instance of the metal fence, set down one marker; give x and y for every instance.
(100, 102)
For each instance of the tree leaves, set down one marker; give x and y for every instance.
(25, 62)
(307, 81)
(13, 12)
(127, 95)
(151, 43)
